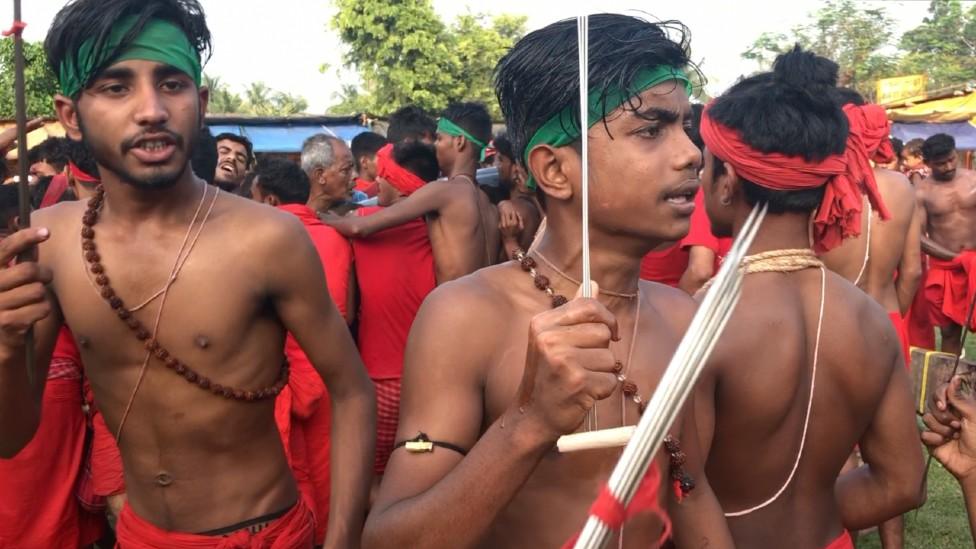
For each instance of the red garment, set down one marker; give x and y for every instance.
(334, 251)
(921, 333)
(846, 176)
(700, 233)
(108, 476)
(56, 188)
(403, 179)
(371, 188)
(665, 266)
(949, 287)
(901, 328)
(387, 417)
(292, 531)
(395, 270)
(318, 447)
(38, 504)
(843, 541)
(81, 175)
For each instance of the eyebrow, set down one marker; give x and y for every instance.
(660, 114)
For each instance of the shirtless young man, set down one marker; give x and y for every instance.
(493, 373)
(947, 200)
(752, 405)
(197, 433)
(461, 220)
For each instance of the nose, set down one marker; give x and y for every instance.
(151, 110)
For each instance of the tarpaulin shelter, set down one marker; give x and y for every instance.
(954, 114)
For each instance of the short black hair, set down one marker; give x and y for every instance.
(80, 153)
(366, 144)
(418, 158)
(694, 133)
(914, 146)
(504, 147)
(83, 20)
(472, 117)
(845, 96)
(236, 138)
(791, 110)
(203, 159)
(53, 150)
(9, 204)
(284, 179)
(938, 147)
(897, 145)
(539, 77)
(410, 123)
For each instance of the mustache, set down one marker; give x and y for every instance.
(129, 143)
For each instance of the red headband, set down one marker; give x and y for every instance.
(80, 175)
(55, 189)
(847, 176)
(874, 127)
(403, 179)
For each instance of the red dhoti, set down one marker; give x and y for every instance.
(387, 417)
(843, 541)
(949, 287)
(293, 530)
(901, 328)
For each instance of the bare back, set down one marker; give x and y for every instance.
(950, 210)
(193, 461)
(458, 230)
(872, 259)
(460, 400)
(762, 373)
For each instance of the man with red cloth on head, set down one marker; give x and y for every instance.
(395, 272)
(302, 409)
(778, 407)
(947, 200)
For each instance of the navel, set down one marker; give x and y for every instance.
(164, 479)
(202, 341)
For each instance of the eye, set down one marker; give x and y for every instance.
(651, 131)
(173, 85)
(113, 89)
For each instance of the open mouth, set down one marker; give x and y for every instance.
(154, 149)
(228, 169)
(683, 194)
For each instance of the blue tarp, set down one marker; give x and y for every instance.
(964, 132)
(287, 138)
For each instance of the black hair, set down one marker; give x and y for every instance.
(366, 144)
(914, 146)
(9, 204)
(504, 147)
(938, 147)
(80, 153)
(418, 158)
(203, 160)
(83, 20)
(472, 117)
(792, 110)
(39, 189)
(410, 123)
(539, 77)
(244, 189)
(897, 145)
(844, 96)
(53, 150)
(694, 133)
(284, 179)
(227, 136)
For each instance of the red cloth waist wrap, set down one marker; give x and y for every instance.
(293, 530)
(403, 179)
(949, 287)
(847, 176)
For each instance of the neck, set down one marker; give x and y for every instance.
(778, 232)
(127, 202)
(612, 269)
(321, 203)
(463, 166)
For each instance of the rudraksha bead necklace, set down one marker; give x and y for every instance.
(683, 482)
(152, 345)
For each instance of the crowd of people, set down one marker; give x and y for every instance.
(370, 347)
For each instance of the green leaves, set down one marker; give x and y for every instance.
(405, 54)
(41, 85)
(258, 100)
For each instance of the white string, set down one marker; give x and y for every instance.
(583, 33)
(867, 248)
(806, 421)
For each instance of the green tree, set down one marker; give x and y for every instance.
(404, 54)
(258, 100)
(222, 100)
(40, 83)
(848, 33)
(943, 46)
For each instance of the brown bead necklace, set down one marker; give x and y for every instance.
(152, 345)
(683, 482)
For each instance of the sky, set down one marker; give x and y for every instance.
(284, 43)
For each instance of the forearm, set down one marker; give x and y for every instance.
(937, 250)
(906, 286)
(20, 405)
(698, 521)
(458, 510)
(510, 244)
(353, 438)
(866, 498)
(969, 494)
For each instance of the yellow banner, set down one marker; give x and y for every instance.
(892, 90)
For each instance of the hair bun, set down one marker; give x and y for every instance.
(805, 69)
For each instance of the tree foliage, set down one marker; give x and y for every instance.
(258, 100)
(404, 54)
(40, 83)
(859, 39)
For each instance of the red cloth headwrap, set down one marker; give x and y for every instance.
(847, 176)
(403, 179)
(80, 174)
(56, 188)
(874, 129)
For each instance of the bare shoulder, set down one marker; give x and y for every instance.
(63, 220)
(259, 224)
(470, 306)
(857, 313)
(673, 305)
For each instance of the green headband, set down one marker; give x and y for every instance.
(450, 128)
(159, 40)
(560, 131)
